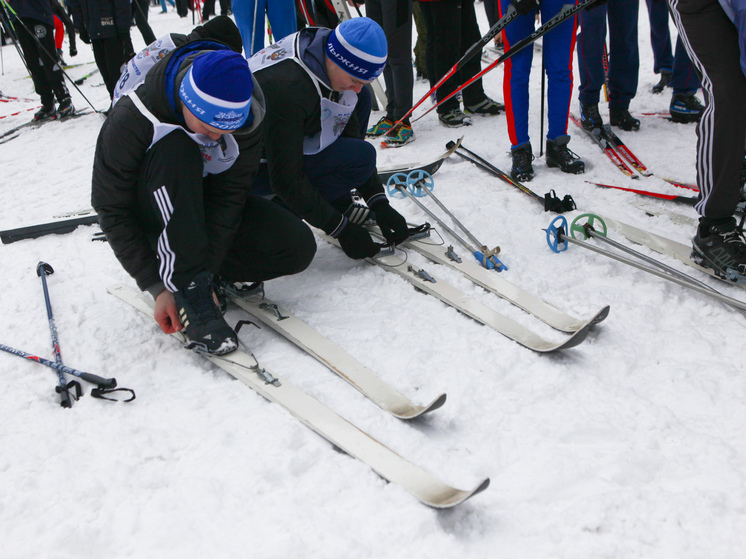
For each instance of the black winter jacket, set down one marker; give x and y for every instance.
(102, 19)
(120, 151)
(293, 112)
(40, 10)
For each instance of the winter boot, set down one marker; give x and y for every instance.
(558, 155)
(522, 170)
(488, 107)
(685, 108)
(65, 108)
(624, 120)
(454, 119)
(380, 128)
(664, 81)
(204, 325)
(589, 117)
(721, 248)
(45, 113)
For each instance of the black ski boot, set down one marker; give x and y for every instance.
(65, 108)
(203, 322)
(624, 120)
(558, 155)
(45, 113)
(663, 83)
(685, 108)
(522, 170)
(589, 117)
(721, 248)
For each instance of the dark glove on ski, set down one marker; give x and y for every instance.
(356, 242)
(393, 225)
(524, 7)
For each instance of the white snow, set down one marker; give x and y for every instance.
(631, 445)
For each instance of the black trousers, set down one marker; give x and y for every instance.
(711, 39)
(182, 214)
(451, 29)
(42, 61)
(395, 18)
(110, 55)
(140, 10)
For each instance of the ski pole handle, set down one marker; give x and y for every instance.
(100, 381)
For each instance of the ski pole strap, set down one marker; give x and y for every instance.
(66, 397)
(552, 203)
(101, 393)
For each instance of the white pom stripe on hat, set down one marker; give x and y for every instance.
(357, 52)
(215, 100)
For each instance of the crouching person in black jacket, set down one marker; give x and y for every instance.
(174, 164)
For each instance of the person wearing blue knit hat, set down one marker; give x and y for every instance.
(171, 185)
(317, 116)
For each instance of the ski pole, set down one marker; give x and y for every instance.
(486, 257)
(688, 200)
(556, 235)
(88, 377)
(510, 15)
(550, 201)
(42, 270)
(564, 13)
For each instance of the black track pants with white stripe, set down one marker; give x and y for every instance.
(711, 39)
(174, 199)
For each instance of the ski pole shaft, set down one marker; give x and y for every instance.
(453, 217)
(42, 270)
(688, 282)
(652, 261)
(403, 189)
(480, 161)
(88, 377)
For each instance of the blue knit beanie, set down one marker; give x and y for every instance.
(217, 89)
(359, 47)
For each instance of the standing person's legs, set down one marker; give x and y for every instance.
(590, 47)
(443, 20)
(624, 52)
(282, 18)
(517, 71)
(35, 58)
(711, 40)
(395, 18)
(109, 56)
(140, 10)
(660, 36)
(243, 13)
(559, 46)
(468, 35)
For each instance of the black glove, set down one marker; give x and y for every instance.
(524, 7)
(393, 225)
(356, 242)
(73, 50)
(84, 36)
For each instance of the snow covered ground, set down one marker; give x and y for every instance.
(631, 445)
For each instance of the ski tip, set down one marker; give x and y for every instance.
(413, 411)
(600, 316)
(455, 497)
